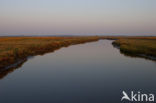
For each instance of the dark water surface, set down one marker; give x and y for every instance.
(87, 73)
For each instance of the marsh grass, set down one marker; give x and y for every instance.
(137, 46)
(13, 49)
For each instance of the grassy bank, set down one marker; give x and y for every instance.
(14, 49)
(143, 47)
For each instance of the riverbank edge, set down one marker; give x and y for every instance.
(74, 42)
(129, 53)
(18, 61)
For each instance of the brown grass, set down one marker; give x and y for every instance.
(143, 46)
(13, 49)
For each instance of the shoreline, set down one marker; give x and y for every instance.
(24, 47)
(128, 53)
(18, 60)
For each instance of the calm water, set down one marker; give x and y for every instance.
(87, 73)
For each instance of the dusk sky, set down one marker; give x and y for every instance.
(78, 17)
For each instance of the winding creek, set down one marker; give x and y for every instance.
(93, 72)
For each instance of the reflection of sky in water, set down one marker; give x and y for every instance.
(86, 73)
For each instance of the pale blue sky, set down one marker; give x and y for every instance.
(84, 17)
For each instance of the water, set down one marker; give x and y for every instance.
(87, 73)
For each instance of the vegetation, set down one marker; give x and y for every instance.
(14, 49)
(139, 46)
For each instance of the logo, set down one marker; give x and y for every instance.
(137, 97)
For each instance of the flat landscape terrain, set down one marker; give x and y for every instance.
(14, 49)
(143, 46)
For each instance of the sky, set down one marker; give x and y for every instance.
(78, 17)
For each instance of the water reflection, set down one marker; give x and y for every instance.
(147, 57)
(89, 73)
(4, 72)
(135, 56)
